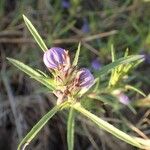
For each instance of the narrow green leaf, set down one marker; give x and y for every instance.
(48, 82)
(112, 53)
(97, 81)
(32, 73)
(132, 108)
(42, 73)
(135, 89)
(35, 34)
(126, 52)
(28, 70)
(118, 62)
(106, 126)
(70, 129)
(35, 130)
(144, 142)
(75, 61)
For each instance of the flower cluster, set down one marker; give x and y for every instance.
(69, 80)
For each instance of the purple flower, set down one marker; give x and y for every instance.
(85, 27)
(96, 65)
(84, 78)
(65, 4)
(123, 98)
(56, 58)
(147, 58)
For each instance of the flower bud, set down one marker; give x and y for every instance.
(84, 78)
(123, 98)
(56, 58)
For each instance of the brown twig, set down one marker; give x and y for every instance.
(59, 41)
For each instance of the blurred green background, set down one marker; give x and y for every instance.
(96, 24)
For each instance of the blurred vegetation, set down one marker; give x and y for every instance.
(97, 24)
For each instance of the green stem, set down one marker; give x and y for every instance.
(70, 129)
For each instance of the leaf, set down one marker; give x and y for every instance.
(135, 89)
(126, 52)
(112, 53)
(70, 129)
(48, 82)
(35, 34)
(32, 73)
(42, 73)
(35, 130)
(120, 71)
(118, 62)
(96, 88)
(75, 61)
(106, 126)
(144, 142)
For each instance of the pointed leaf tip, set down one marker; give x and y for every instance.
(75, 61)
(34, 33)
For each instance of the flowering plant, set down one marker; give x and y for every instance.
(69, 84)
